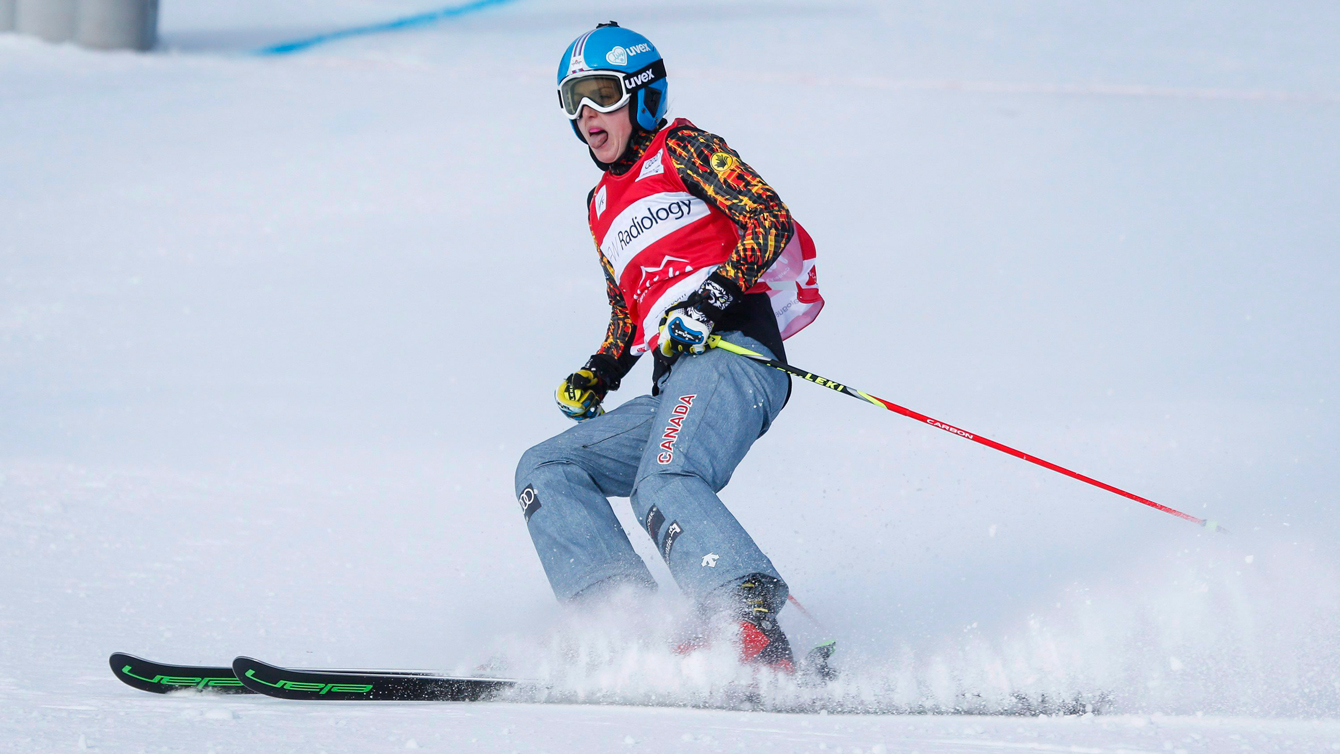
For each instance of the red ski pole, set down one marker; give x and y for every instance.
(715, 341)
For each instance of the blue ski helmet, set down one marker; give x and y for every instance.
(640, 71)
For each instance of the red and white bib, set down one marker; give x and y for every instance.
(663, 242)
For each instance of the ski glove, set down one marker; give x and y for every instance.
(687, 325)
(684, 328)
(580, 393)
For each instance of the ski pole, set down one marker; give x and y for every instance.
(715, 341)
(792, 599)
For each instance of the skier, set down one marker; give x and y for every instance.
(693, 243)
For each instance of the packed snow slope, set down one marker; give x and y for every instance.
(275, 330)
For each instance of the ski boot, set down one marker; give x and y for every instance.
(762, 641)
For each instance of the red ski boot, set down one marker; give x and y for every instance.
(751, 608)
(762, 641)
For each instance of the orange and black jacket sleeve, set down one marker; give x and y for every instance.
(615, 356)
(713, 172)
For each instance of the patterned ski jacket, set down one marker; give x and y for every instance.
(713, 174)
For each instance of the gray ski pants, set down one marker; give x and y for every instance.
(669, 454)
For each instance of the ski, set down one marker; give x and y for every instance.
(251, 676)
(159, 678)
(163, 678)
(354, 685)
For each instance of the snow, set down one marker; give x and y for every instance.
(186, 723)
(274, 331)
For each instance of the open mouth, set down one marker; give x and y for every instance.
(596, 137)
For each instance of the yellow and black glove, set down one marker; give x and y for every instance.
(580, 393)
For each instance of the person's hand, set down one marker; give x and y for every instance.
(684, 329)
(687, 325)
(580, 393)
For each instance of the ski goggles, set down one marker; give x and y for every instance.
(604, 91)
